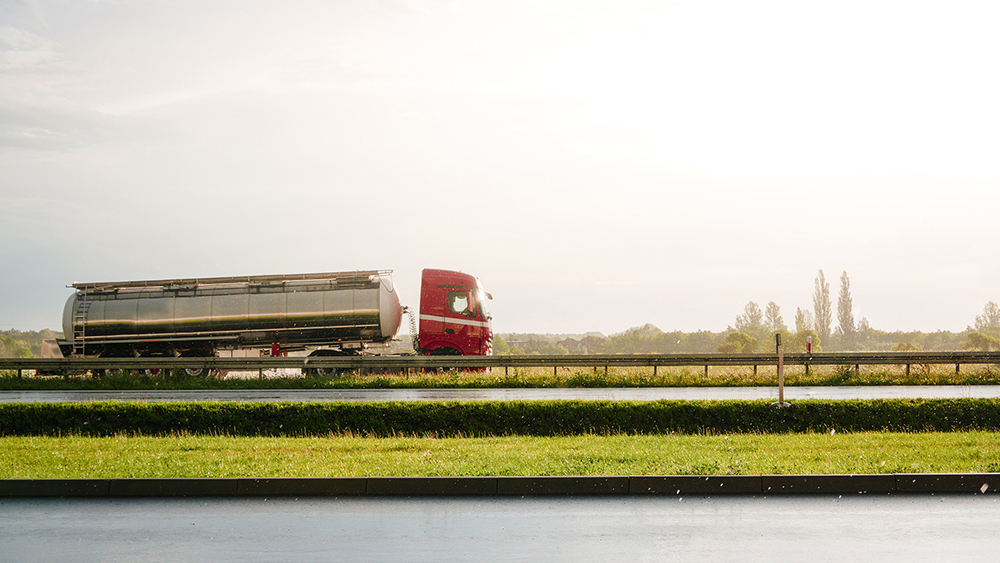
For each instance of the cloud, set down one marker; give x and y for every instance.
(61, 128)
(21, 49)
(32, 127)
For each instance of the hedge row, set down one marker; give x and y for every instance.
(533, 418)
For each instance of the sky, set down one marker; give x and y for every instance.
(599, 165)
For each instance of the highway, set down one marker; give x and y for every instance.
(815, 528)
(586, 394)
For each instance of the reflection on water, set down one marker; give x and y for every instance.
(746, 529)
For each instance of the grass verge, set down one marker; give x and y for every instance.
(533, 377)
(343, 456)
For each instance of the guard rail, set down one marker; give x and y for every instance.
(58, 365)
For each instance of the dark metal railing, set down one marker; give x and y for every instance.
(60, 365)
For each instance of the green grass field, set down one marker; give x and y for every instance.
(224, 456)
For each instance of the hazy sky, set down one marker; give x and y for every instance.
(598, 165)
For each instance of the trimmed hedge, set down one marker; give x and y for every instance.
(528, 418)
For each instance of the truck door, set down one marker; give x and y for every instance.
(461, 323)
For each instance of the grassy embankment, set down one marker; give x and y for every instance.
(497, 438)
(742, 454)
(345, 455)
(536, 377)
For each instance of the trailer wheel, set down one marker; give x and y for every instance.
(445, 351)
(324, 372)
(198, 372)
(320, 372)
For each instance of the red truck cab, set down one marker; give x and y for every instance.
(454, 320)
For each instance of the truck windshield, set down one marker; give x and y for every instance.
(481, 297)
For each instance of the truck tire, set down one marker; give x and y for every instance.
(324, 371)
(445, 351)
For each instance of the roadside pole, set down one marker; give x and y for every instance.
(781, 372)
(809, 351)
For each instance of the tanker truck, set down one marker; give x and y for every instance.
(321, 314)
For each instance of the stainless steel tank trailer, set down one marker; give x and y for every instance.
(339, 313)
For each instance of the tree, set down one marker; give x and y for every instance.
(797, 342)
(803, 320)
(500, 346)
(14, 348)
(772, 318)
(980, 341)
(751, 321)
(845, 314)
(989, 322)
(738, 343)
(864, 334)
(821, 306)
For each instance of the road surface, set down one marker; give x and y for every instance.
(619, 394)
(885, 528)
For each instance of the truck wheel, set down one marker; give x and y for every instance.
(197, 372)
(324, 372)
(445, 351)
(319, 372)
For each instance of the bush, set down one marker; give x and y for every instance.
(529, 418)
(738, 343)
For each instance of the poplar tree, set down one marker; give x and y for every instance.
(821, 306)
(773, 320)
(803, 320)
(989, 321)
(751, 321)
(845, 313)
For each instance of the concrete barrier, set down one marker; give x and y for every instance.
(985, 483)
(54, 487)
(696, 485)
(974, 483)
(558, 485)
(172, 487)
(305, 486)
(443, 486)
(828, 484)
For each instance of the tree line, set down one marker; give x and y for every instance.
(754, 330)
(24, 344)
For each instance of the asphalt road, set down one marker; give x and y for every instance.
(624, 394)
(883, 528)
